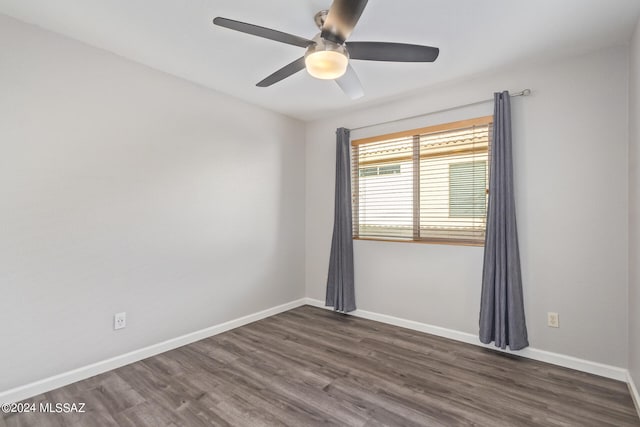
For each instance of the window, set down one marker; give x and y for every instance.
(379, 170)
(467, 189)
(426, 185)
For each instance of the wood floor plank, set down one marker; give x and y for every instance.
(371, 368)
(312, 367)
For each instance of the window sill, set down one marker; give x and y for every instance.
(425, 241)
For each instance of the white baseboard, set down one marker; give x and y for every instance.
(603, 370)
(634, 392)
(65, 378)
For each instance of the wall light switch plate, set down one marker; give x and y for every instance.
(119, 320)
(553, 320)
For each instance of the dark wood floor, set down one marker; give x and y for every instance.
(310, 366)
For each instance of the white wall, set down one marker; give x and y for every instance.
(571, 139)
(126, 189)
(634, 207)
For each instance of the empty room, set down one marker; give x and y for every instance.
(303, 213)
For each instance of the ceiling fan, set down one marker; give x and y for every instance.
(328, 53)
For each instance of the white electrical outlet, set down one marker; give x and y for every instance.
(553, 320)
(119, 320)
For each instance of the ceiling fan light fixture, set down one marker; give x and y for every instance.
(326, 65)
(326, 60)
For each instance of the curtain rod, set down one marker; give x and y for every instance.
(525, 92)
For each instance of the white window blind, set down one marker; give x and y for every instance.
(426, 185)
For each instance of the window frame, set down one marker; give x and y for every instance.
(415, 135)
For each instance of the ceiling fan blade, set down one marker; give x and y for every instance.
(266, 33)
(341, 19)
(394, 52)
(350, 84)
(283, 73)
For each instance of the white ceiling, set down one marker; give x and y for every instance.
(178, 37)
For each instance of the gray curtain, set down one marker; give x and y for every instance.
(340, 291)
(501, 306)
